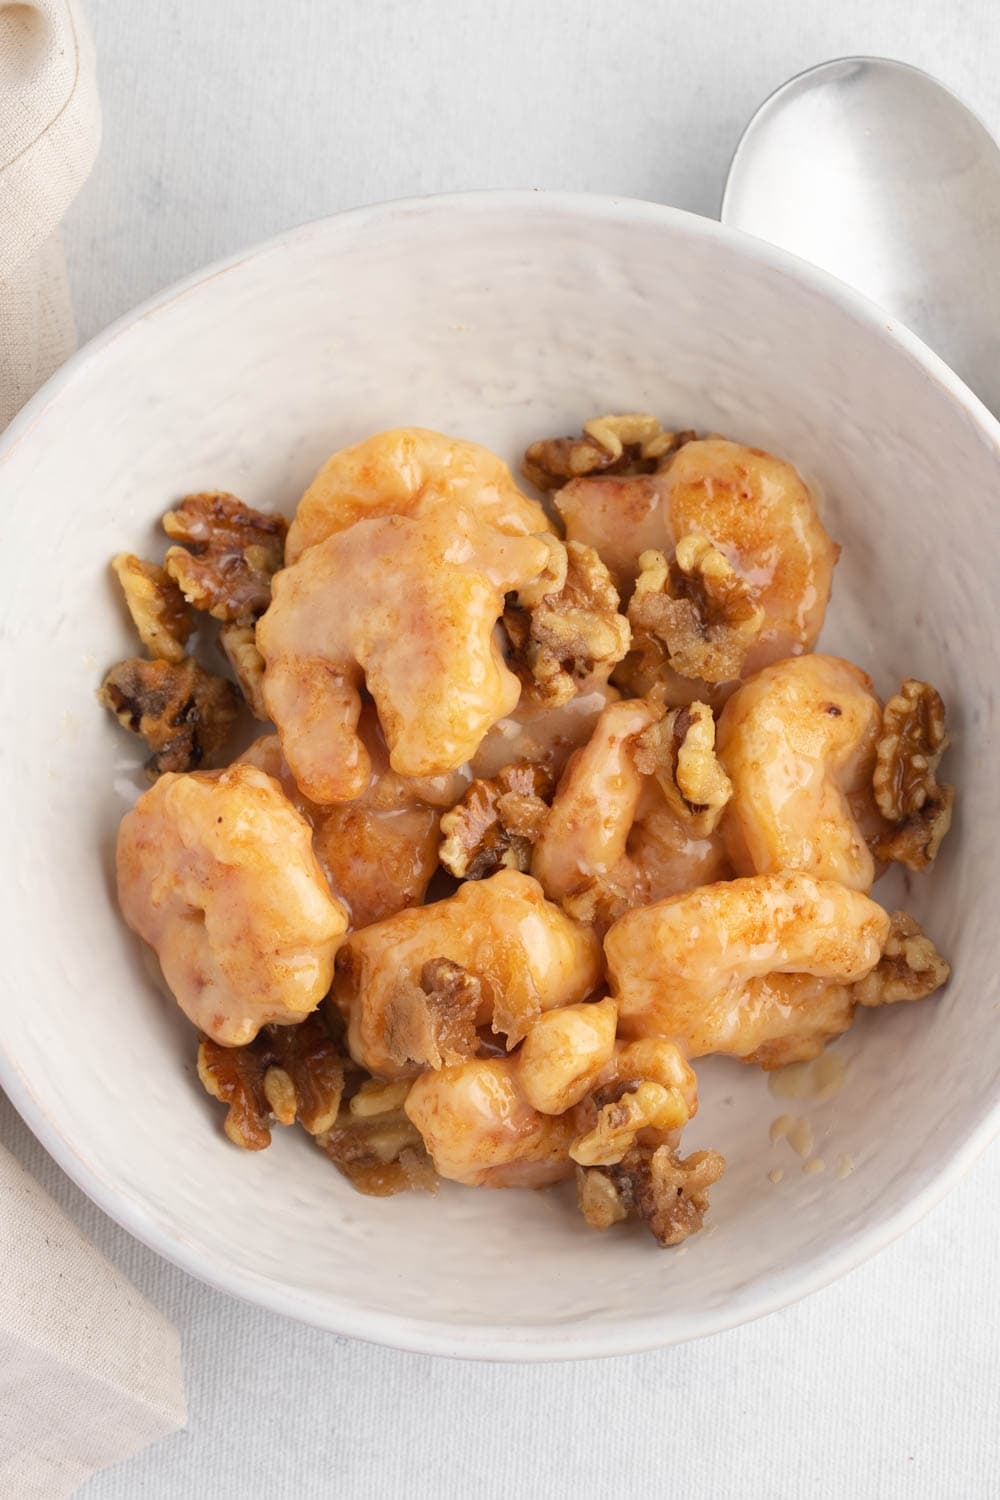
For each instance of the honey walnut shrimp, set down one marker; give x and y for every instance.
(216, 872)
(522, 954)
(635, 813)
(404, 555)
(407, 608)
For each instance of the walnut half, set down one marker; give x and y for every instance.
(679, 750)
(374, 1144)
(695, 615)
(667, 1193)
(156, 605)
(433, 1024)
(570, 635)
(496, 822)
(910, 968)
(630, 443)
(287, 1073)
(184, 714)
(229, 556)
(914, 737)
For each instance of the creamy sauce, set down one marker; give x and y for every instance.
(796, 1131)
(819, 1079)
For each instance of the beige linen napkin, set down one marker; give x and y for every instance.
(50, 129)
(90, 1372)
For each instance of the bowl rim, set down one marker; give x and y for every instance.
(427, 1335)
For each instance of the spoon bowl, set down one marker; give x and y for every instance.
(878, 173)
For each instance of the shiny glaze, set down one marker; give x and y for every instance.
(798, 743)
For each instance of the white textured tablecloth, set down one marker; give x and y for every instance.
(227, 120)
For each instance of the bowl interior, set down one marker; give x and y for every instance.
(497, 319)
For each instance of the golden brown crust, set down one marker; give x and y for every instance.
(910, 968)
(679, 750)
(914, 737)
(496, 822)
(374, 1145)
(156, 605)
(694, 614)
(184, 714)
(571, 635)
(240, 645)
(287, 1073)
(229, 556)
(433, 1023)
(632, 443)
(665, 1192)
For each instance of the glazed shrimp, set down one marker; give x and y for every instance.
(416, 987)
(406, 607)
(760, 968)
(479, 1128)
(798, 742)
(216, 873)
(755, 509)
(612, 840)
(409, 471)
(380, 851)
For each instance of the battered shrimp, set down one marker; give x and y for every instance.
(380, 851)
(754, 508)
(416, 987)
(408, 472)
(216, 872)
(409, 608)
(798, 742)
(760, 968)
(565, 1053)
(479, 1128)
(611, 840)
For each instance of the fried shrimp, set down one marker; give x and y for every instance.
(755, 509)
(415, 988)
(798, 743)
(479, 1128)
(406, 607)
(760, 968)
(612, 838)
(217, 874)
(380, 851)
(410, 471)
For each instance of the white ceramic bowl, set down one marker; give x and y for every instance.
(499, 318)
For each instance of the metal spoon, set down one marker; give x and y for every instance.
(876, 172)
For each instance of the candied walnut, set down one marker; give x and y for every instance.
(598, 1199)
(910, 967)
(239, 642)
(287, 1073)
(571, 635)
(433, 1023)
(914, 737)
(694, 614)
(496, 822)
(184, 714)
(156, 605)
(636, 1106)
(679, 750)
(374, 1144)
(229, 556)
(667, 1193)
(632, 443)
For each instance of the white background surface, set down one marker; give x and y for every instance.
(225, 121)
